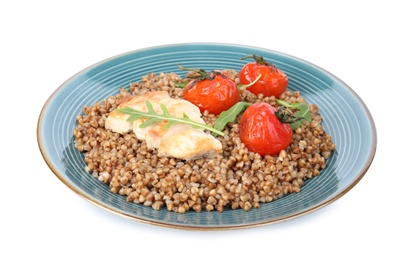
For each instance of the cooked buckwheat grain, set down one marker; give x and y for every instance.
(235, 179)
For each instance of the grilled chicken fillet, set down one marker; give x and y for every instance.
(180, 140)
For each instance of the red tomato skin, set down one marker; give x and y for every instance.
(262, 132)
(273, 81)
(216, 95)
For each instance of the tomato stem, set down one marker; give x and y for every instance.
(202, 75)
(285, 117)
(259, 59)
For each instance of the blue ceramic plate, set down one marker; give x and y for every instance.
(346, 119)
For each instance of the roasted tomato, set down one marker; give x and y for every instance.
(262, 132)
(213, 91)
(272, 81)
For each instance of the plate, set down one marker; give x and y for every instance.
(346, 119)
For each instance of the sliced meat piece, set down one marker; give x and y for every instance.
(190, 144)
(117, 121)
(180, 140)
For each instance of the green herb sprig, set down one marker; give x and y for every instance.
(181, 84)
(241, 86)
(295, 120)
(229, 115)
(303, 112)
(153, 117)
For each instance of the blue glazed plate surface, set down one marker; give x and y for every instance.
(345, 118)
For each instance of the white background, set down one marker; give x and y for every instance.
(367, 44)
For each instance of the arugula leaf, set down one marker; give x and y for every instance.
(303, 112)
(181, 84)
(229, 115)
(241, 86)
(153, 117)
